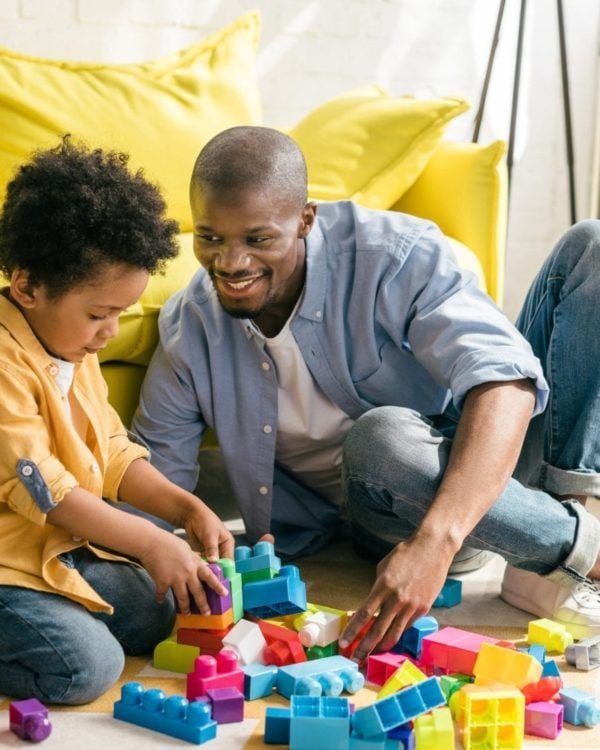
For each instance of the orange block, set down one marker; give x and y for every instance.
(205, 622)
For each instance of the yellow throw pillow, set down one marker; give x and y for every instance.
(370, 147)
(161, 112)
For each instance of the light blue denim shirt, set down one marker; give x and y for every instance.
(387, 318)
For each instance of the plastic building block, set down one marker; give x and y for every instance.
(399, 708)
(580, 707)
(259, 680)
(404, 735)
(212, 672)
(282, 595)
(550, 669)
(319, 629)
(585, 654)
(489, 717)
(257, 563)
(435, 731)
(329, 676)
(277, 725)
(412, 638)
(235, 587)
(545, 689)
(320, 652)
(552, 635)
(207, 622)
(208, 641)
(452, 649)
(174, 716)
(176, 657)
(495, 664)
(406, 674)
(319, 723)
(450, 683)
(312, 608)
(349, 650)
(227, 704)
(450, 595)
(543, 719)
(381, 742)
(28, 719)
(283, 645)
(246, 641)
(380, 667)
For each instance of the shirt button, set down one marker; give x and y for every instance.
(78, 539)
(94, 468)
(27, 471)
(264, 490)
(266, 366)
(267, 429)
(318, 314)
(53, 370)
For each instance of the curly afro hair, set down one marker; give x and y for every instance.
(71, 210)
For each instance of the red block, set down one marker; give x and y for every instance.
(206, 640)
(453, 650)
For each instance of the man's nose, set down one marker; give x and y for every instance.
(232, 257)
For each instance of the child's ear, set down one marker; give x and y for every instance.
(21, 289)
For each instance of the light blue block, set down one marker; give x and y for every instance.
(259, 680)
(277, 725)
(283, 595)
(321, 723)
(450, 595)
(262, 555)
(580, 707)
(412, 638)
(329, 676)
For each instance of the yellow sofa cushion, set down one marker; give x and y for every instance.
(370, 147)
(161, 112)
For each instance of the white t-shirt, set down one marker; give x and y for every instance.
(64, 380)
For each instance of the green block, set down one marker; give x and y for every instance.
(176, 657)
(263, 574)
(235, 582)
(320, 652)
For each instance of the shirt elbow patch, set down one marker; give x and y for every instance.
(34, 483)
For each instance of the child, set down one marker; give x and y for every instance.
(79, 236)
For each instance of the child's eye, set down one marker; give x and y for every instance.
(97, 317)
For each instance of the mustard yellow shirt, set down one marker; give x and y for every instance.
(43, 456)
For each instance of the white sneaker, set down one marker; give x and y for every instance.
(577, 609)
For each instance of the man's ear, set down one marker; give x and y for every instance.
(21, 289)
(309, 213)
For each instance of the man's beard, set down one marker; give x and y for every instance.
(243, 313)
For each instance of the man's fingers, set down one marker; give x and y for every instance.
(357, 622)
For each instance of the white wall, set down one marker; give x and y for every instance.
(313, 49)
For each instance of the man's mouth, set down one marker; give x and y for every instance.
(241, 287)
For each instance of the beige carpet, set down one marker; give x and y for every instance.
(335, 578)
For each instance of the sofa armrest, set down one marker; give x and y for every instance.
(464, 190)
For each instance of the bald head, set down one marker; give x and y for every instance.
(252, 158)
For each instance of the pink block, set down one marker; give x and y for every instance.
(544, 719)
(381, 666)
(214, 672)
(452, 649)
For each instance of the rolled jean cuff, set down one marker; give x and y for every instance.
(584, 553)
(568, 482)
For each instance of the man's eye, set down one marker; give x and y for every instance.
(97, 317)
(209, 238)
(256, 240)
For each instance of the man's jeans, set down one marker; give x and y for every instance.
(394, 458)
(55, 650)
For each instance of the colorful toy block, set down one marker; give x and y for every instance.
(544, 719)
(545, 689)
(411, 640)
(319, 629)
(435, 731)
(311, 608)
(349, 650)
(319, 723)
(208, 641)
(406, 674)
(282, 595)
(277, 725)
(28, 719)
(380, 667)
(580, 707)
(404, 735)
(452, 649)
(381, 742)
(227, 704)
(320, 652)
(585, 654)
(550, 669)
(489, 717)
(246, 641)
(208, 622)
(450, 683)
(219, 604)
(382, 716)
(259, 680)
(495, 664)
(174, 716)
(283, 645)
(329, 676)
(235, 587)
(450, 595)
(552, 635)
(212, 672)
(257, 563)
(174, 656)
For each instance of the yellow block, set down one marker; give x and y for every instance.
(495, 664)
(176, 657)
(552, 635)
(406, 674)
(435, 731)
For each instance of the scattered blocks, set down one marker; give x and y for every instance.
(544, 719)
(246, 641)
(585, 654)
(283, 645)
(174, 716)
(450, 595)
(452, 649)
(495, 664)
(580, 707)
(552, 635)
(319, 722)
(174, 656)
(213, 672)
(380, 667)
(489, 717)
(283, 595)
(435, 731)
(277, 725)
(406, 674)
(329, 676)
(545, 689)
(227, 704)
(28, 719)
(412, 639)
(259, 680)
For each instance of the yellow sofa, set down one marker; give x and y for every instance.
(383, 151)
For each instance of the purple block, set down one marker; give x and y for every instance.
(544, 719)
(227, 704)
(218, 604)
(29, 720)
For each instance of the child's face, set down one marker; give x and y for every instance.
(84, 319)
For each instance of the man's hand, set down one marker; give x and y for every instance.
(207, 533)
(408, 580)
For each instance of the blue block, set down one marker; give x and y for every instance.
(399, 708)
(283, 595)
(174, 716)
(329, 676)
(404, 735)
(277, 725)
(261, 556)
(580, 707)
(380, 742)
(259, 680)
(321, 723)
(450, 595)
(412, 639)
(550, 669)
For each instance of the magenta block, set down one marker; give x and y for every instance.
(544, 719)
(28, 719)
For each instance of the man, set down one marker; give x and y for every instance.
(348, 366)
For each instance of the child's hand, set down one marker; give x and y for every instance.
(207, 533)
(173, 564)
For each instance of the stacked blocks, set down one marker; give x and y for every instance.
(174, 656)
(174, 716)
(246, 641)
(213, 672)
(258, 563)
(319, 723)
(28, 719)
(220, 606)
(283, 595)
(283, 645)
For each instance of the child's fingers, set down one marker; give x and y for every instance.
(205, 574)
